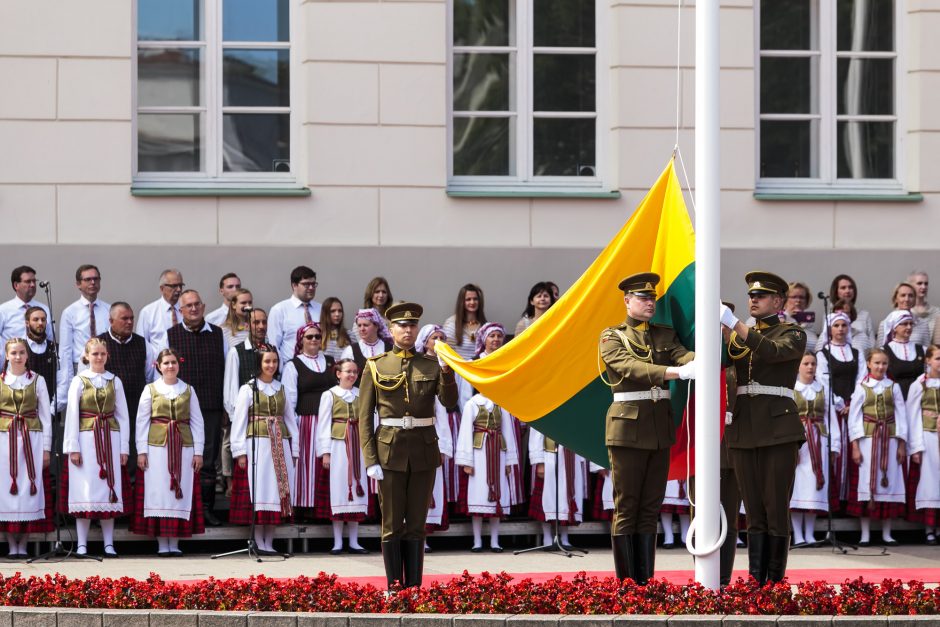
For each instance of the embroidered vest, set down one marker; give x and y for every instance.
(488, 421)
(97, 401)
(268, 406)
(342, 413)
(878, 407)
(815, 408)
(930, 407)
(19, 402)
(176, 410)
(550, 446)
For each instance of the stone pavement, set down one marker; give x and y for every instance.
(904, 562)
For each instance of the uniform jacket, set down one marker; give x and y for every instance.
(774, 352)
(640, 424)
(413, 395)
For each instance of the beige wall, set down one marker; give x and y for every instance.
(374, 139)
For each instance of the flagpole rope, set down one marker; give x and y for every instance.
(678, 68)
(723, 526)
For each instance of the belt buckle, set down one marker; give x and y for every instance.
(752, 389)
(655, 393)
(407, 422)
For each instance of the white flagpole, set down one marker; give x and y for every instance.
(707, 273)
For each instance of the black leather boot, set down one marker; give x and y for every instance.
(644, 553)
(726, 558)
(778, 549)
(208, 504)
(757, 552)
(412, 553)
(391, 555)
(623, 556)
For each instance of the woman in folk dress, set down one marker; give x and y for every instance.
(170, 438)
(264, 445)
(95, 483)
(338, 447)
(675, 503)
(563, 501)
(923, 407)
(26, 425)
(878, 434)
(811, 482)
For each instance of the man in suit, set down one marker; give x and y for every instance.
(403, 453)
(640, 359)
(765, 433)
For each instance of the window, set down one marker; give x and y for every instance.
(213, 91)
(828, 95)
(524, 106)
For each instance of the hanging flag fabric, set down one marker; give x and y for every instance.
(548, 376)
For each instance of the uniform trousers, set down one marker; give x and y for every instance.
(639, 478)
(404, 497)
(212, 420)
(765, 477)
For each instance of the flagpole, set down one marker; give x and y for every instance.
(707, 274)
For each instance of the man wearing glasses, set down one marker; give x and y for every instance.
(201, 350)
(163, 313)
(289, 315)
(84, 319)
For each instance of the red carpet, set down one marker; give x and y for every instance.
(828, 575)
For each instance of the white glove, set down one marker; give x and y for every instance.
(727, 316)
(685, 371)
(440, 359)
(375, 472)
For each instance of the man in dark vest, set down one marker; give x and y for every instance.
(131, 359)
(42, 354)
(201, 350)
(241, 364)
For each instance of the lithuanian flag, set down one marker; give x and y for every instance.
(548, 376)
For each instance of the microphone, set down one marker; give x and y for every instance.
(44, 284)
(248, 309)
(822, 295)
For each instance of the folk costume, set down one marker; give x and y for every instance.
(306, 379)
(360, 350)
(170, 431)
(675, 504)
(923, 407)
(602, 499)
(562, 501)
(438, 517)
(25, 434)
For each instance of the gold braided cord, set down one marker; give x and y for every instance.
(628, 346)
(398, 379)
(736, 350)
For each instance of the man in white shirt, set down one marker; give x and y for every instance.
(85, 318)
(163, 313)
(289, 315)
(13, 312)
(228, 285)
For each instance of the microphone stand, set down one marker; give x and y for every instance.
(57, 549)
(836, 544)
(556, 546)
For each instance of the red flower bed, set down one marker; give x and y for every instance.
(483, 594)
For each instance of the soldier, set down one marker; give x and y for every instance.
(640, 359)
(765, 434)
(402, 454)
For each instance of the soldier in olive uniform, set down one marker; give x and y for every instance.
(765, 434)
(640, 358)
(403, 453)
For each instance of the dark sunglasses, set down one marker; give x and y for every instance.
(313, 337)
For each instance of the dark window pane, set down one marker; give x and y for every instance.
(256, 78)
(481, 23)
(169, 20)
(168, 77)
(785, 85)
(865, 25)
(256, 142)
(564, 23)
(866, 86)
(564, 82)
(255, 20)
(866, 150)
(564, 147)
(785, 25)
(786, 149)
(169, 142)
(481, 146)
(481, 82)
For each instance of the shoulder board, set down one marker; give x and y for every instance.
(379, 356)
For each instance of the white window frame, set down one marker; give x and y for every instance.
(522, 95)
(825, 89)
(212, 48)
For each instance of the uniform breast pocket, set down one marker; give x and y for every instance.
(424, 384)
(384, 438)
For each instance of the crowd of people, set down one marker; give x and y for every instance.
(164, 410)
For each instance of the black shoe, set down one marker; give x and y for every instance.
(496, 549)
(266, 552)
(931, 539)
(777, 549)
(891, 542)
(427, 550)
(176, 553)
(338, 551)
(359, 551)
(644, 555)
(164, 554)
(567, 547)
(864, 545)
(112, 554)
(210, 518)
(668, 545)
(799, 545)
(476, 549)
(391, 555)
(623, 556)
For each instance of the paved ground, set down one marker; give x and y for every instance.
(905, 562)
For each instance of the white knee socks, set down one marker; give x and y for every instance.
(865, 524)
(269, 537)
(477, 523)
(352, 529)
(163, 544)
(259, 537)
(82, 525)
(886, 530)
(668, 536)
(338, 535)
(494, 533)
(14, 544)
(107, 534)
(809, 527)
(546, 533)
(796, 521)
(684, 522)
(173, 544)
